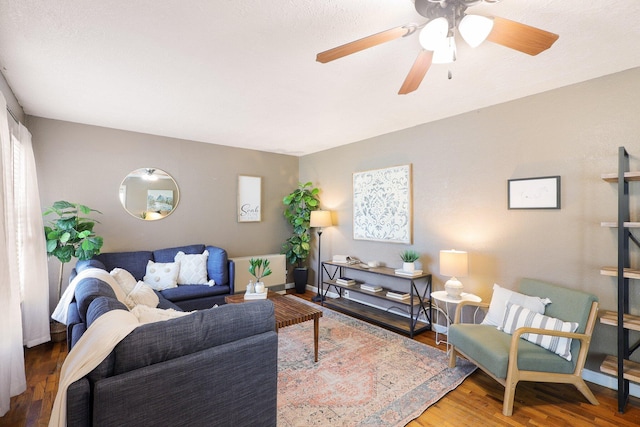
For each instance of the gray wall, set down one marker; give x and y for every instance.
(460, 170)
(86, 164)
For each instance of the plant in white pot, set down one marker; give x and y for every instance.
(70, 235)
(298, 207)
(409, 258)
(259, 268)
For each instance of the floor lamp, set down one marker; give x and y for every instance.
(319, 220)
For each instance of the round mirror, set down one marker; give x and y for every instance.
(149, 194)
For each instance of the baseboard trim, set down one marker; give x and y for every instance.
(608, 381)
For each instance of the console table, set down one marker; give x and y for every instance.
(418, 287)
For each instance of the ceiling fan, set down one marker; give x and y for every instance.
(437, 36)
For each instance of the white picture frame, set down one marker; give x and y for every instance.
(382, 205)
(249, 198)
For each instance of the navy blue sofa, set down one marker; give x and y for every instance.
(187, 297)
(214, 367)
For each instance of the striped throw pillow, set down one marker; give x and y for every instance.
(517, 316)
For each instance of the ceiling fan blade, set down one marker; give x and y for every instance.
(362, 44)
(521, 37)
(417, 72)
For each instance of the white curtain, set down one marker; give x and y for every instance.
(32, 260)
(12, 375)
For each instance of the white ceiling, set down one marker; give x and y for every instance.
(243, 72)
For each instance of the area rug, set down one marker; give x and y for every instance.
(365, 376)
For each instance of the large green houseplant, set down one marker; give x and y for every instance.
(71, 234)
(298, 207)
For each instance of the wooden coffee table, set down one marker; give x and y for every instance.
(288, 312)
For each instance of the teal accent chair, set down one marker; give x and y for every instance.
(509, 359)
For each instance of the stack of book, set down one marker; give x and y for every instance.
(370, 288)
(401, 272)
(398, 294)
(345, 281)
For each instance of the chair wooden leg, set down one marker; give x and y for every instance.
(509, 395)
(586, 391)
(452, 358)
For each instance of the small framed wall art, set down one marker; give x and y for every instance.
(249, 198)
(534, 193)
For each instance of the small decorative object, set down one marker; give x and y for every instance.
(454, 264)
(409, 258)
(259, 268)
(250, 287)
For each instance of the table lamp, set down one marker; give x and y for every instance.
(454, 264)
(319, 220)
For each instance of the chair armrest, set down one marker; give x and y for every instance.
(456, 317)
(585, 339)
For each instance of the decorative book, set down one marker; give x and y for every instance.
(370, 288)
(255, 295)
(401, 272)
(345, 281)
(398, 294)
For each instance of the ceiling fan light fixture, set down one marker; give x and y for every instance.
(474, 29)
(446, 52)
(434, 33)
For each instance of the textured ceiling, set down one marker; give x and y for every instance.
(243, 73)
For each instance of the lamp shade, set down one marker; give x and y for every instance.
(474, 29)
(320, 219)
(454, 263)
(434, 34)
(446, 52)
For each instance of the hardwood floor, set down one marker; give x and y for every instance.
(477, 401)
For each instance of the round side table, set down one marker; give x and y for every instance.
(449, 309)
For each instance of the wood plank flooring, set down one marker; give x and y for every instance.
(476, 402)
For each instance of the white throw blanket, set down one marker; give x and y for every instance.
(96, 344)
(60, 313)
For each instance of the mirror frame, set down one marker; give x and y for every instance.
(140, 184)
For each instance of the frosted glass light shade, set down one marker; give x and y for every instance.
(434, 34)
(454, 263)
(474, 29)
(446, 52)
(320, 219)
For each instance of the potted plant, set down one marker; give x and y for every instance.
(70, 234)
(259, 268)
(409, 257)
(298, 207)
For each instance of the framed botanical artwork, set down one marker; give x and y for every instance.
(249, 198)
(382, 205)
(534, 193)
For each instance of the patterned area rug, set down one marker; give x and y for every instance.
(365, 375)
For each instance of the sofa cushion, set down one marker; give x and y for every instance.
(187, 292)
(125, 279)
(217, 265)
(169, 254)
(518, 317)
(100, 306)
(162, 275)
(490, 348)
(501, 296)
(142, 294)
(157, 342)
(193, 268)
(134, 262)
(89, 289)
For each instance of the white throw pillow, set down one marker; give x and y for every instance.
(498, 304)
(162, 276)
(193, 268)
(125, 279)
(517, 316)
(142, 294)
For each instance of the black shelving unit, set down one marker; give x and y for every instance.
(620, 366)
(403, 316)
